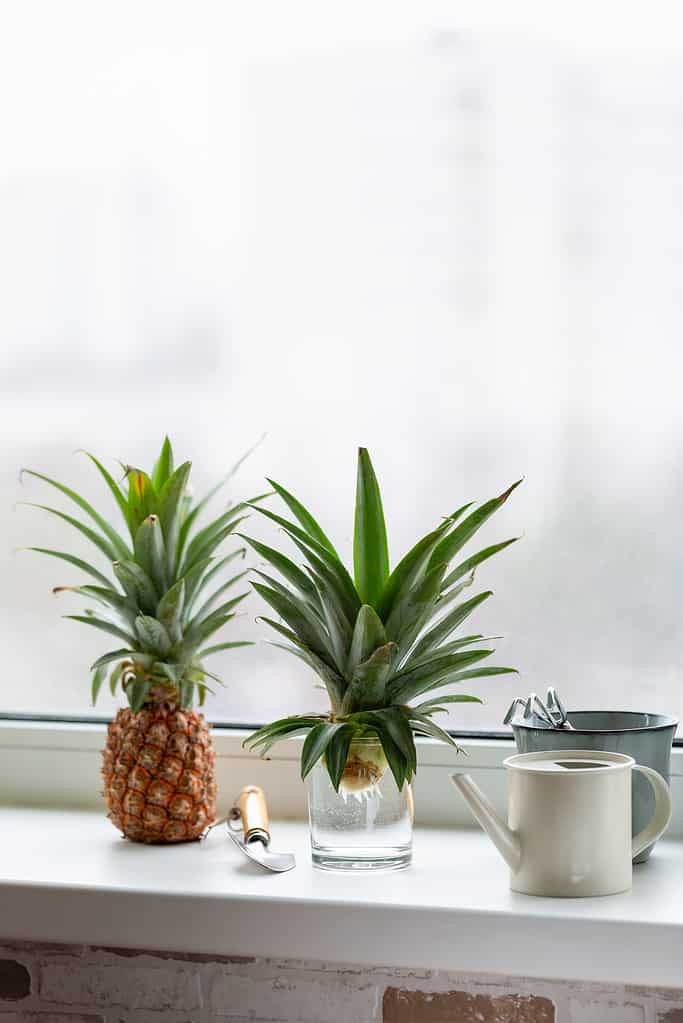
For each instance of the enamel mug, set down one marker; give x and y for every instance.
(568, 831)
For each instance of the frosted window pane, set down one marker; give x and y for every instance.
(460, 249)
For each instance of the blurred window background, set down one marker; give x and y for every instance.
(451, 239)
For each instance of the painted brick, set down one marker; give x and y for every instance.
(15, 980)
(293, 997)
(605, 1012)
(48, 1017)
(401, 1006)
(78, 982)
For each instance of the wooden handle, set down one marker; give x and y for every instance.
(253, 811)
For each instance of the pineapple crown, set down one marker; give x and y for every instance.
(157, 604)
(380, 640)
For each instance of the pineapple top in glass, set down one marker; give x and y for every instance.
(381, 641)
(159, 604)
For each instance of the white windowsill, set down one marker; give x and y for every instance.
(66, 876)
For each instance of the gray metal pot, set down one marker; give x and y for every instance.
(645, 737)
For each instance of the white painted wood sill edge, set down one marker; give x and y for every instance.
(66, 876)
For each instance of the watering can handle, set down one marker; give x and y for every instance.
(659, 821)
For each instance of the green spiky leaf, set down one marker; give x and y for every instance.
(154, 611)
(370, 550)
(304, 518)
(163, 467)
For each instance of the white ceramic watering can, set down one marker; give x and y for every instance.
(569, 821)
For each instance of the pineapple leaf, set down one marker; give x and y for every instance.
(117, 544)
(330, 561)
(396, 759)
(185, 693)
(384, 640)
(315, 745)
(446, 648)
(425, 726)
(115, 677)
(199, 632)
(446, 625)
(398, 728)
(368, 683)
(410, 614)
(337, 753)
(78, 562)
(99, 541)
(392, 721)
(304, 517)
(370, 550)
(223, 646)
(476, 559)
(170, 513)
(137, 585)
(281, 725)
(459, 676)
(170, 610)
(338, 628)
(113, 655)
(153, 635)
(291, 572)
(142, 498)
(163, 467)
(195, 581)
(437, 705)
(200, 673)
(199, 507)
(150, 552)
(97, 680)
(216, 568)
(173, 672)
(309, 630)
(368, 634)
(447, 597)
(483, 673)
(153, 612)
(454, 541)
(137, 692)
(99, 623)
(430, 674)
(325, 577)
(115, 489)
(411, 567)
(334, 683)
(292, 733)
(261, 740)
(209, 541)
(103, 595)
(208, 604)
(204, 622)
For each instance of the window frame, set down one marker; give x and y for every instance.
(54, 762)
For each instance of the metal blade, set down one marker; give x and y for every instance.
(257, 851)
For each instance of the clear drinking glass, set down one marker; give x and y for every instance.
(367, 824)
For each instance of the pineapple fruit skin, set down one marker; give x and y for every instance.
(159, 774)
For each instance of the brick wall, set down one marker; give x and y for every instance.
(66, 984)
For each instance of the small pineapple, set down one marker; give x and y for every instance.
(158, 763)
(378, 641)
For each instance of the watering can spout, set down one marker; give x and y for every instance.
(505, 840)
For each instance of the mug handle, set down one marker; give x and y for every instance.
(661, 817)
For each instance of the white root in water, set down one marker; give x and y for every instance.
(366, 765)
